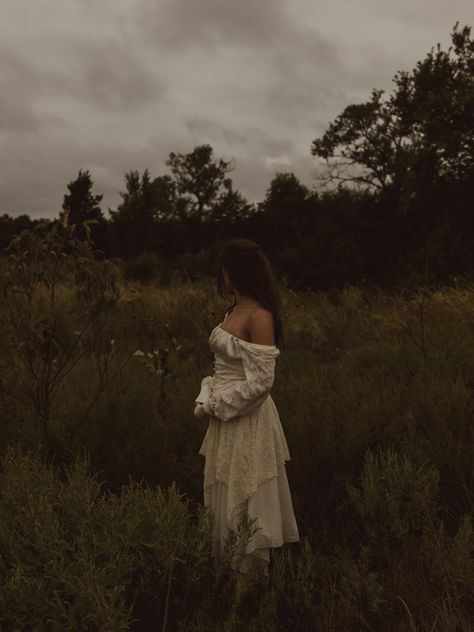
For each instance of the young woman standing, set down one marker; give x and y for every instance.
(245, 446)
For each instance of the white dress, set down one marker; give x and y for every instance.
(245, 448)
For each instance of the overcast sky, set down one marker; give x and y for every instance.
(116, 85)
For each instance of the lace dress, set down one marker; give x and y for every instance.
(245, 448)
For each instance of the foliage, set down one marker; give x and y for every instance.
(198, 178)
(82, 206)
(375, 395)
(59, 295)
(421, 135)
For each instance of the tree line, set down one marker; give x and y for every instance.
(394, 199)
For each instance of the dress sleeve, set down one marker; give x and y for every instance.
(245, 395)
(205, 392)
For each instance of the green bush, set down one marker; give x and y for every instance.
(146, 266)
(404, 542)
(73, 558)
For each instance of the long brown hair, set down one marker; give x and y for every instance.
(252, 275)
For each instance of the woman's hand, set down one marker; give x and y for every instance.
(199, 411)
(200, 407)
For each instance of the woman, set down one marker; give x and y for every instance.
(245, 446)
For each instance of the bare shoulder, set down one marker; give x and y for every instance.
(261, 327)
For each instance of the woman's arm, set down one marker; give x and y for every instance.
(259, 360)
(246, 395)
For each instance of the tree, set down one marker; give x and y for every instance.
(314, 237)
(198, 179)
(82, 206)
(420, 138)
(231, 207)
(285, 213)
(11, 226)
(145, 204)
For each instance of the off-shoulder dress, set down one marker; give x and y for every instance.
(245, 448)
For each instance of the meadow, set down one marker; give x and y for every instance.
(102, 525)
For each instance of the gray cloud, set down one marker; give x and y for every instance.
(180, 24)
(245, 139)
(20, 87)
(109, 74)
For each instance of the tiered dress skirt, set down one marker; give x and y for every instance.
(275, 520)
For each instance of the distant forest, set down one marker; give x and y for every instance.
(394, 199)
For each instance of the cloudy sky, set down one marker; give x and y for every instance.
(116, 85)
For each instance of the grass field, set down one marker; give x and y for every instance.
(375, 394)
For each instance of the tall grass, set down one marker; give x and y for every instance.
(374, 392)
